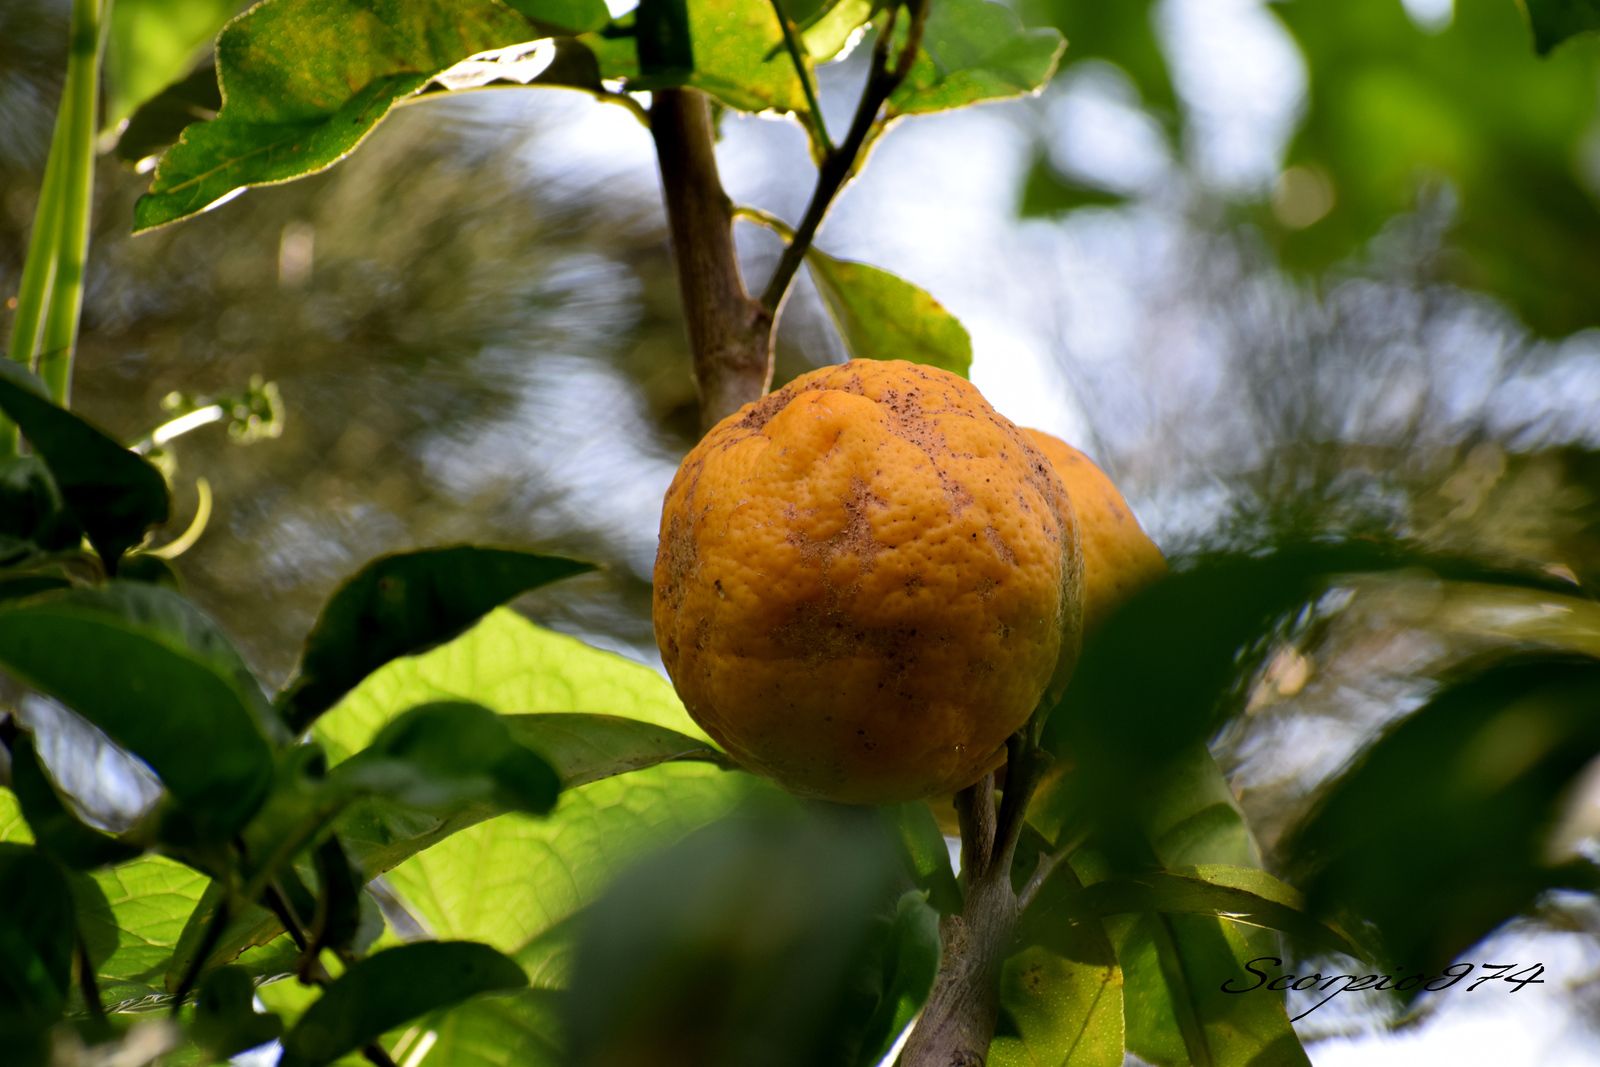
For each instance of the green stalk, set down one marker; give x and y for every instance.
(82, 97)
(39, 270)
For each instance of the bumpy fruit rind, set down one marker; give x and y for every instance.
(866, 581)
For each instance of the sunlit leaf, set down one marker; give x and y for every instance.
(1061, 991)
(154, 43)
(974, 51)
(881, 316)
(303, 81)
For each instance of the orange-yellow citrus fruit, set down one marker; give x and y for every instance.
(866, 580)
(1118, 556)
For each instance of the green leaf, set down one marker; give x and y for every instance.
(1554, 21)
(149, 669)
(131, 916)
(382, 991)
(507, 662)
(510, 665)
(1460, 796)
(881, 316)
(337, 921)
(1243, 894)
(586, 748)
(973, 51)
(753, 941)
(161, 120)
(37, 935)
(402, 604)
(153, 43)
(906, 968)
(739, 58)
(304, 81)
(225, 1020)
(1143, 718)
(33, 518)
(444, 755)
(662, 37)
(114, 495)
(59, 832)
(1061, 992)
(923, 848)
(833, 27)
(1174, 965)
(1123, 33)
(1393, 111)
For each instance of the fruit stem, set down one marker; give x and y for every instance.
(958, 1021)
(730, 333)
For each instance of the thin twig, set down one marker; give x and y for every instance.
(208, 945)
(975, 812)
(802, 69)
(841, 164)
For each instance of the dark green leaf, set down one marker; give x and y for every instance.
(159, 121)
(751, 942)
(923, 846)
(403, 604)
(145, 666)
(446, 755)
(585, 748)
(1459, 796)
(973, 51)
(1554, 21)
(33, 518)
(1123, 33)
(907, 964)
(1120, 722)
(225, 1020)
(17, 586)
(661, 30)
(1243, 894)
(1046, 191)
(37, 935)
(881, 316)
(114, 495)
(739, 57)
(338, 914)
(58, 831)
(393, 987)
(305, 80)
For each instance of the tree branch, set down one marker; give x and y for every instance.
(957, 1023)
(730, 334)
(842, 163)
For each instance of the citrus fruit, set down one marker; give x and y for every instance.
(866, 581)
(1118, 556)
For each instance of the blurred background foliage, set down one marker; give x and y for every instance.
(1288, 271)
